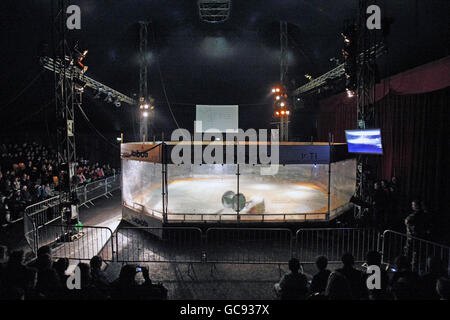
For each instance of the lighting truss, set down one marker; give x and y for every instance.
(337, 72)
(214, 11)
(71, 72)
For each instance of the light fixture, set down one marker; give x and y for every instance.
(282, 112)
(146, 106)
(145, 114)
(287, 112)
(282, 104)
(273, 90)
(119, 139)
(350, 93)
(278, 98)
(277, 89)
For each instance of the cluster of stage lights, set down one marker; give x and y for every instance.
(280, 102)
(145, 109)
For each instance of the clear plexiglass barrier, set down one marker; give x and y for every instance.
(231, 192)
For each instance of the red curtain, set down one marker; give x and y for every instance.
(416, 146)
(412, 110)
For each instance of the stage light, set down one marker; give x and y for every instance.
(282, 112)
(273, 90)
(109, 97)
(152, 107)
(282, 104)
(145, 114)
(277, 89)
(287, 112)
(146, 106)
(350, 93)
(119, 139)
(277, 113)
(278, 97)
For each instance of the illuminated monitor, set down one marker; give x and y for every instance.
(364, 141)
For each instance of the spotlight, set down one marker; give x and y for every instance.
(282, 112)
(145, 114)
(278, 98)
(277, 113)
(282, 104)
(119, 139)
(287, 112)
(277, 89)
(350, 93)
(146, 106)
(109, 97)
(273, 90)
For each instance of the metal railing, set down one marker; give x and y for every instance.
(75, 242)
(248, 245)
(232, 245)
(43, 213)
(417, 250)
(175, 245)
(334, 242)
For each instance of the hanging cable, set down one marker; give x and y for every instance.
(94, 128)
(162, 81)
(21, 92)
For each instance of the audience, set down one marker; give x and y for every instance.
(44, 279)
(293, 285)
(29, 173)
(355, 277)
(320, 279)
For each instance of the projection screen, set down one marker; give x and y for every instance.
(217, 118)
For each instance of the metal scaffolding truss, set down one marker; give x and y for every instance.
(337, 72)
(214, 11)
(143, 85)
(71, 72)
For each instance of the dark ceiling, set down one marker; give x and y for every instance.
(235, 62)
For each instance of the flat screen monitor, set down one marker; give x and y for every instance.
(364, 141)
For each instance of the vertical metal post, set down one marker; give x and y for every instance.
(143, 88)
(238, 195)
(330, 160)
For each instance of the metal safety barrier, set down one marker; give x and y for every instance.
(77, 242)
(417, 250)
(46, 212)
(333, 243)
(174, 245)
(37, 215)
(248, 245)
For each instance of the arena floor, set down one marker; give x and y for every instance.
(204, 196)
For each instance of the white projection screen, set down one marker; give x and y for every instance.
(217, 118)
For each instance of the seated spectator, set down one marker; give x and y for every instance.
(373, 258)
(99, 278)
(48, 283)
(338, 287)
(14, 275)
(320, 279)
(60, 267)
(293, 284)
(429, 280)
(126, 287)
(355, 277)
(443, 288)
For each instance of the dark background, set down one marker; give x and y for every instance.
(236, 62)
